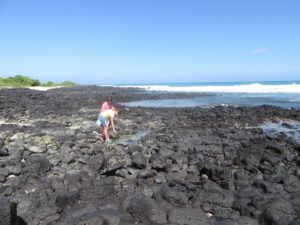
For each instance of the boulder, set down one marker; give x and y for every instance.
(278, 212)
(145, 209)
(5, 211)
(188, 216)
(139, 161)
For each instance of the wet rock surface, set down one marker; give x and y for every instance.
(164, 166)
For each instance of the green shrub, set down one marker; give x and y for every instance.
(23, 81)
(67, 83)
(49, 84)
(19, 81)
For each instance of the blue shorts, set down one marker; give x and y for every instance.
(102, 121)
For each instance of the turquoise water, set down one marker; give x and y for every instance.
(211, 83)
(227, 99)
(284, 94)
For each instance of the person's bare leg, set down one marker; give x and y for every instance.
(105, 131)
(102, 133)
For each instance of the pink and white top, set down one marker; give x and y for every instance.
(106, 106)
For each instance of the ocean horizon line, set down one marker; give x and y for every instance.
(203, 82)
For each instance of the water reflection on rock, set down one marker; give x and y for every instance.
(290, 128)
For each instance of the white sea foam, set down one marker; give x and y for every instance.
(241, 88)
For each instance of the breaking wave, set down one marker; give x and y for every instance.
(237, 88)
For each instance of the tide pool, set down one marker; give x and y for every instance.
(291, 128)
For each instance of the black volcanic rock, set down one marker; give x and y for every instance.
(5, 211)
(139, 161)
(166, 166)
(278, 212)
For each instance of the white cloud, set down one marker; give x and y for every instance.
(258, 51)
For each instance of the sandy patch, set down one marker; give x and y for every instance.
(39, 88)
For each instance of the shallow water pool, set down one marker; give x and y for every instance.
(289, 127)
(132, 139)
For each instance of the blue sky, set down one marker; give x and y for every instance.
(137, 41)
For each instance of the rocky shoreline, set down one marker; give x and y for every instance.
(165, 166)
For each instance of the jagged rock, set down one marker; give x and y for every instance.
(296, 203)
(5, 211)
(147, 174)
(134, 148)
(237, 221)
(159, 164)
(3, 152)
(66, 198)
(160, 178)
(112, 168)
(37, 165)
(287, 125)
(139, 161)
(297, 147)
(96, 163)
(145, 209)
(278, 212)
(174, 197)
(292, 184)
(25, 210)
(4, 172)
(188, 216)
(68, 155)
(214, 195)
(275, 148)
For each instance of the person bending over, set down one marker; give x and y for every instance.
(107, 117)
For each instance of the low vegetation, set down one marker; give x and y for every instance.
(65, 84)
(23, 81)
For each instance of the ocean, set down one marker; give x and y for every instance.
(284, 94)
